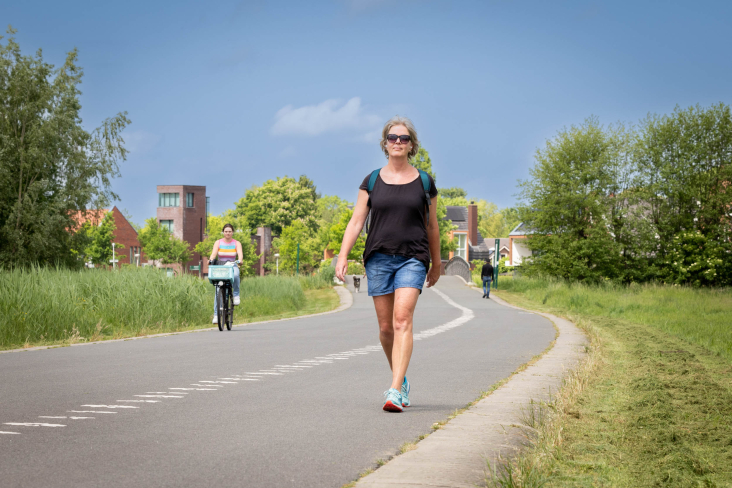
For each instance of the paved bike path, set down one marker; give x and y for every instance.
(269, 419)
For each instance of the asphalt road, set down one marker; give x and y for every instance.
(291, 403)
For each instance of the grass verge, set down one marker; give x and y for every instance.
(45, 306)
(652, 404)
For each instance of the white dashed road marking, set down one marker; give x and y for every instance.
(109, 406)
(87, 411)
(62, 417)
(10, 433)
(33, 424)
(160, 396)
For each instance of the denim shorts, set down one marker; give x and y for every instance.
(386, 273)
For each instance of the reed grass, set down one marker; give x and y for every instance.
(41, 306)
(699, 315)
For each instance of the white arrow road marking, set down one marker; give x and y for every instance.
(87, 411)
(33, 424)
(109, 406)
(139, 401)
(159, 396)
(3, 432)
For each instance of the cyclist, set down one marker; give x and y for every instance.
(228, 250)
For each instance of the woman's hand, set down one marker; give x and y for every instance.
(433, 275)
(341, 267)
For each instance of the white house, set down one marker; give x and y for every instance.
(518, 250)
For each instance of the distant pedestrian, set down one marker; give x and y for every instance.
(402, 238)
(487, 275)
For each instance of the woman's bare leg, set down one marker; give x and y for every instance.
(405, 300)
(384, 305)
(395, 313)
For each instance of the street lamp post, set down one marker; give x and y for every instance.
(277, 258)
(113, 260)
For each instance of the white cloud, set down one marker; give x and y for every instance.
(140, 142)
(328, 116)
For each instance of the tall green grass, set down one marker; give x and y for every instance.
(699, 315)
(46, 305)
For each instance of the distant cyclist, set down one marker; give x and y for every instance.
(400, 244)
(228, 250)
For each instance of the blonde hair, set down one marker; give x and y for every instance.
(397, 120)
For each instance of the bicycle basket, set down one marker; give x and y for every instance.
(220, 273)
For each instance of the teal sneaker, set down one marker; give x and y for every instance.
(405, 393)
(393, 400)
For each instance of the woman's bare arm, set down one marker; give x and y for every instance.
(433, 236)
(353, 229)
(214, 251)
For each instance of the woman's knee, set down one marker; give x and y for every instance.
(403, 322)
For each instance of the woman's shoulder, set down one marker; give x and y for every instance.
(365, 182)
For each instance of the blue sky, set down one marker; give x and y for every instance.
(229, 94)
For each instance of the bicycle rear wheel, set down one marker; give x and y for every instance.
(220, 296)
(230, 317)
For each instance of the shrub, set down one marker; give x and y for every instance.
(355, 269)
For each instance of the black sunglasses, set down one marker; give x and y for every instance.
(393, 138)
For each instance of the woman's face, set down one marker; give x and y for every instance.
(398, 148)
(228, 233)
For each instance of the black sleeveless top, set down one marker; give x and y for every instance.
(398, 215)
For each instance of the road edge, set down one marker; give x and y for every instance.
(491, 429)
(344, 295)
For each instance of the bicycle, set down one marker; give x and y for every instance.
(222, 278)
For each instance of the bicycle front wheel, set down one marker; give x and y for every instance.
(230, 317)
(220, 297)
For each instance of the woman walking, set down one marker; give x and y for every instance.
(402, 238)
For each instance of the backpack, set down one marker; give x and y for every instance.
(425, 186)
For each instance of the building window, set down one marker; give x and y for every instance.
(168, 200)
(167, 224)
(462, 244)
(189, 199)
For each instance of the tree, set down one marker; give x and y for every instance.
(50, 167)
(277, 204)
(685, 169)
(214, 232)
(101, 236)
(330, 208)
(570, 203)
(453, 192)
(286, 246)
(335, 237)
(160, 245)
(422, 161)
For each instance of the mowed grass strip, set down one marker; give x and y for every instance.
(46, 306)
(656, 410)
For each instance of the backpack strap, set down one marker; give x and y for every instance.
(426, 187)
(369, 189)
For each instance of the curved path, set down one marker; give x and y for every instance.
(291, 403)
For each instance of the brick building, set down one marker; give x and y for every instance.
(182, 209)
(471, 244)
(124, 234)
